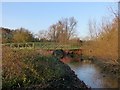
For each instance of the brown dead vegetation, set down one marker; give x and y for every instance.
(104, 41)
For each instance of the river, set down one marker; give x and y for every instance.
(92, 76)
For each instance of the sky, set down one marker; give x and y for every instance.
(36, 16)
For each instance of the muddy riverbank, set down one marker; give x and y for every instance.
(108, 67)
(67, 81)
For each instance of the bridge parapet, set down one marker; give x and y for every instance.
(41, 45)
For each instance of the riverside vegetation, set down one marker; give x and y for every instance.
(104, 46)
(31, 69)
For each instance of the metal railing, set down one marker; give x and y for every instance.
(41, 45)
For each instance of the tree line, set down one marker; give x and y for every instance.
(16, 36)
(62, 32)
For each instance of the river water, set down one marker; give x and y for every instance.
(92, 76)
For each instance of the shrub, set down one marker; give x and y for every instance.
(27, 67)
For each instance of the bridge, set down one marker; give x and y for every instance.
(42, 45)
(68, 49)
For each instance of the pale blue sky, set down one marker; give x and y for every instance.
(36, 16)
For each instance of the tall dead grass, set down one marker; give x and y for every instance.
(105, 45)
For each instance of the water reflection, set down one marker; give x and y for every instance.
(90, 74)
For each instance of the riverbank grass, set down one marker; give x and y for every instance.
(31, 69)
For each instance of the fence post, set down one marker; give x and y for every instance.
(11, 45)
(34, 46)
(26, 44)
(18, 45)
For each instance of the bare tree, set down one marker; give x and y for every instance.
(42, 34)
(93, 29)
(63, 30)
